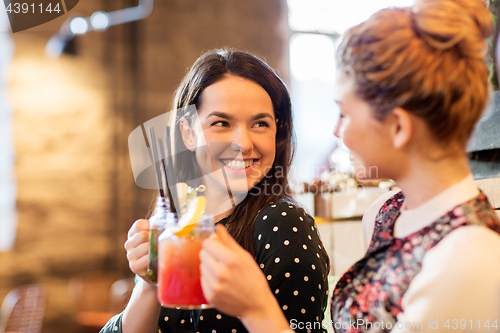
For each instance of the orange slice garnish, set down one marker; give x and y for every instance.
(192, 216)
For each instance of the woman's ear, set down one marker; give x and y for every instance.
(401, 127)
(187, 134)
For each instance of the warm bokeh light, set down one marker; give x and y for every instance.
(334, 16)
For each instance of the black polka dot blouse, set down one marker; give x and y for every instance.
(289, 251)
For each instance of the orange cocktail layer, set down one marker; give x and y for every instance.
(179, 272)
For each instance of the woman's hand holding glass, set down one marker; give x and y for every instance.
(233, 282)
(137, 248)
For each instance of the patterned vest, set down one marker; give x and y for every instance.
(371, 291)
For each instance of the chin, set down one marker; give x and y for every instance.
(239, 186)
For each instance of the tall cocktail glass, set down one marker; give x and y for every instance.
(179, 266)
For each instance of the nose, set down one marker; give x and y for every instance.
(336, 130)
(242, 141)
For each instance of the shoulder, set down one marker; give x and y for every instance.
(284, 220)
(466, 254)
(282, 212)
(286, 238)
(460, 270)
(471, 240)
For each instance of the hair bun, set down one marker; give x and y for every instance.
(444, 24)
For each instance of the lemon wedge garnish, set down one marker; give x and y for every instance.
(189, 220)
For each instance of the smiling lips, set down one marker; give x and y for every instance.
(238, 164)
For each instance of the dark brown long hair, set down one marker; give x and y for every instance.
(209, 69)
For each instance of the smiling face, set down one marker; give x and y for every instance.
(367, 138)
(235, 131)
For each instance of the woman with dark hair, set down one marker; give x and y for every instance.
(211, 68)
(233, 116)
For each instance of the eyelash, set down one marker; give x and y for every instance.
(221, 123)
(216, 123)
(263, 123)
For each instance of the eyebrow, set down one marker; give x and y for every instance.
(229, 117)
(220, 115)
(262, 115)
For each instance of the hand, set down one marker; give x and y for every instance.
(137, 245)
(231, 279)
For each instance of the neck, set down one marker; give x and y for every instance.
(424, 179)
(219, 203)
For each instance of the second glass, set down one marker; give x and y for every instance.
(157, 223)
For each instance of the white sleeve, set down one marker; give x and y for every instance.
(368, 221)
(458, 287)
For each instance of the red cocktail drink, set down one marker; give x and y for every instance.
(179, 269)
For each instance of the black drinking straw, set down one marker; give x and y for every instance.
(169, 168)
(154, 150)
(171, 202)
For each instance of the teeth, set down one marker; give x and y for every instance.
(238, 165)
